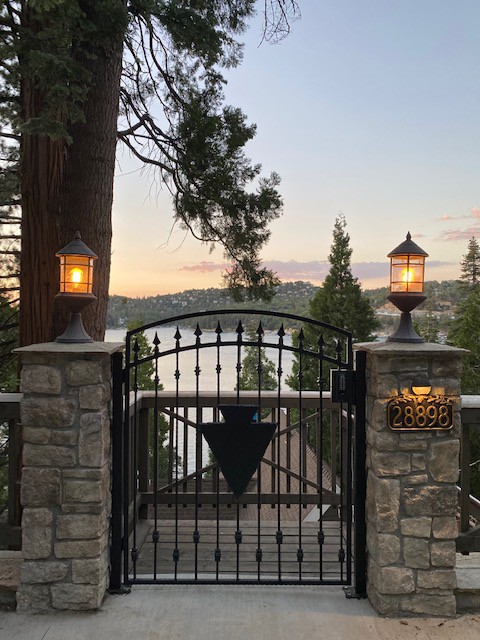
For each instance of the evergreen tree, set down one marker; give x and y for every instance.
(339, 302)
(465, 333)
(250, 362)
(464, 330)
(145, 371)
(69, 68)
(428, 325)
(470, 265)
(145, 382)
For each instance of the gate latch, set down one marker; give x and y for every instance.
(342, 385)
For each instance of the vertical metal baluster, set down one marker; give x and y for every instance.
(301, 338)
(341, 551)
(258, 553)
(176, 551)
(304, 428)
(288, 453)
(126, 460)
(185, 448)
(198, 444)
(279, 534)
(273, 454)
(171, 451)
(349, 445)
(136, 349)
(216, 470)
(239, 358)
(238, 532)
(319, 452)
(156, 533)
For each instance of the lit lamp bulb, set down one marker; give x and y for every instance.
(76, 276)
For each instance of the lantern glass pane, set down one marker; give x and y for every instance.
(76, 274)
(407, 274)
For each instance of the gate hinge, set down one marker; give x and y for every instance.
(342, 385)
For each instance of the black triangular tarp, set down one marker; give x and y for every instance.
(238, 444)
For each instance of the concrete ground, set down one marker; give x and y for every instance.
(233, 613)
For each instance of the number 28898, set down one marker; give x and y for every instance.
(420, 413)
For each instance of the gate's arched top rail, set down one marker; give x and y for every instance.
(241, 312)
(342, 335)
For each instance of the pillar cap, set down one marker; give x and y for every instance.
(413, 349)
(66, 348)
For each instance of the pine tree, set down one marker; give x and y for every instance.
(145, 382)
(146, 370)
(428, 325)
(338, 302)
(250, 362)
(470, 265)
(68, 69)
(464, 331)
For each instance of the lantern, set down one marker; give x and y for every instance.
(407, 279)
(76, 281)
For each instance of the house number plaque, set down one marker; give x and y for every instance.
(407, 413)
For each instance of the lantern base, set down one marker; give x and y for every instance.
(405, 331)
(75, 331)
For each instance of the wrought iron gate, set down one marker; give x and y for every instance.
(229, 474)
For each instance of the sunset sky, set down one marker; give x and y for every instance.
(369, 108)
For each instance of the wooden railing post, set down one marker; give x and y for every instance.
(143, 459)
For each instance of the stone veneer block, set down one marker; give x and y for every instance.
(411, 485)
(66, 480)
(47, 412)
(41, 379)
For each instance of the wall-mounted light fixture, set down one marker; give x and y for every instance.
(421, 386)
(407, 279)
(76, 281)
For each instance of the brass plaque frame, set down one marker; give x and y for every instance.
(420, 413)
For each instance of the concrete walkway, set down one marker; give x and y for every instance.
(233, 613)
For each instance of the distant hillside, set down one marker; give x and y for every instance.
(291, 297)
(441, 296)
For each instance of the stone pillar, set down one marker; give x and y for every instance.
(65, 493)
(411, 485)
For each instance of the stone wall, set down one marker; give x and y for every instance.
(65, 415)
(411, 485)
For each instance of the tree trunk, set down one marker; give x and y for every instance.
(41, 169)
(87, 191)
(69, 188)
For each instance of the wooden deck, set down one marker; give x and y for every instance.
(329, 569)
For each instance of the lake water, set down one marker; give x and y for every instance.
(208, 357)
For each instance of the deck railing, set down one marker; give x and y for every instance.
(184, 410)
(10, 458)
(469, 535)
(10, 471)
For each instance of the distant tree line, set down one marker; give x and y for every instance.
(290, 297)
